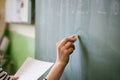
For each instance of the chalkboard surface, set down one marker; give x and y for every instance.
(97, 22)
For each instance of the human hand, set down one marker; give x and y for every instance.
(14, 78)
(64, 48)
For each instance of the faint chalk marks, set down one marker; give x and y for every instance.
(101, 9)
(83, 6)
(115, 7)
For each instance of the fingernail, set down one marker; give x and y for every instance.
(74, 36)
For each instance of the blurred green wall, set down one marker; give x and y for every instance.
(21, 46)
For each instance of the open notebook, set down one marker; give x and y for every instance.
(32, 69)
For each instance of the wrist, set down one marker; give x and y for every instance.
(56, 71)
(61, 64)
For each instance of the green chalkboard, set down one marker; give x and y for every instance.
(97, 23)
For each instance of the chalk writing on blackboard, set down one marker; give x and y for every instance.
(101, 9)
(116, 7)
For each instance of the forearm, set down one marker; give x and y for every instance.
(56, 71)
(64, 49)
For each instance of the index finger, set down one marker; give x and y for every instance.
(72, 38)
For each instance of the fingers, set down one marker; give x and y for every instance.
(70, 50)
(65, 48)
(72, 39)
(68, 45)
(14, 78)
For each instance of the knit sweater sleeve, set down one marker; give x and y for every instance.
(4, 75)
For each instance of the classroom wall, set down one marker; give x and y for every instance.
(2, 17)
(97, 23)
(22, 43)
